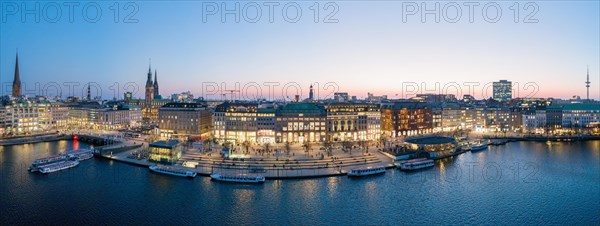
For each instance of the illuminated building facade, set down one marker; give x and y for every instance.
(182, 120)
(353, 121)
(300, 122)
(165, 152)
(407, 119)
(502, 90)
(235, 122)
(580, 115)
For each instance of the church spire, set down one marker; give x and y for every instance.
(155, 84)
(16, 91)
(149, 81)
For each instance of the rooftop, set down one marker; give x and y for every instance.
(165, 144)
(430, 140)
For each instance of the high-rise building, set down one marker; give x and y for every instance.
(16, 87)
(502, 90)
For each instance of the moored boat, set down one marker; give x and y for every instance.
(479, 147)
(173, 171)
(36, 164)
(80, 155)
(238, 178)
(415, 164)
(359, 172)
(58, 166)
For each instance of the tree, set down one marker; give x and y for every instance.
(267, 146)
(246, 144)
(364, 145)
(347, 146)
(328, 146)
(288, 148)
(306, 146)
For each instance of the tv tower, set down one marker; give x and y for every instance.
(587, 83)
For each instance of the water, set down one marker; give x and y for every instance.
(519, 183)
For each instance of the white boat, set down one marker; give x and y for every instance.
(479, 147)
(366, 171)
(80, 155)
(238, 178)
(415, 164)
(190, 164)
(173, 171)
(58, 166)
(36, 164)
(397, 163)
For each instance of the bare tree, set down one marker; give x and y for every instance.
(288, 148)
(246, 144)
(306, 146)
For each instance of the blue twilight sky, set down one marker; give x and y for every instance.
(369, 49)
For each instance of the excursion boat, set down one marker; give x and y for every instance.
(80, 155)
(36, 164)
(238, 178)
(366, 171)
(415, 164)
(479, 147)
(173, 171)
(58, 166)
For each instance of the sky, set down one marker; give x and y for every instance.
(359, 47)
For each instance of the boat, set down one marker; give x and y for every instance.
(58, 166)
(190, 164)
(366, 171)
(465, 147)
(238, 178)
(80, 155)
(415, 164)
(45, 161)
(479, 147)
(173, 171)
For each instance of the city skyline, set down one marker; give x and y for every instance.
(553, 52)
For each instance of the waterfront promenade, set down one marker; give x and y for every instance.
(297, 165)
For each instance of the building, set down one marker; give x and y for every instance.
(406, 119)
(165, 152)
(183, 120)
(91, 115)
(376, 99)
(235, 122)
(23, 117)
(497, 120)
(185, 97)
(535, 122)
(451, 115)
(502, 90)
(353, 122)
(576, 116)
(554, 117)
(435, 98)
(152, 100)
(433, 145)
(300, 122)
(341, 97)
(265, 124)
